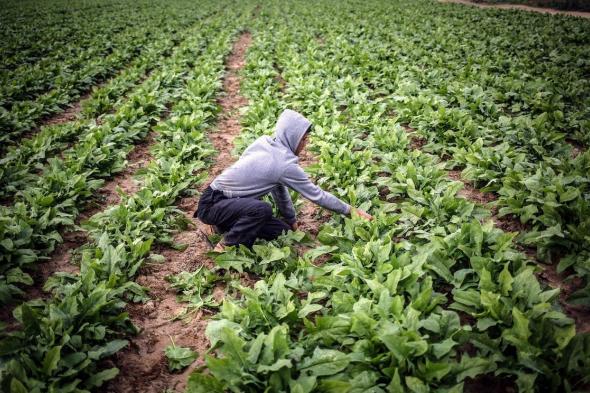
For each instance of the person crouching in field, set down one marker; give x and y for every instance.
(231, 204)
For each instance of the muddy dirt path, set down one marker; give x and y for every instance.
(522, 7)
(143, 365)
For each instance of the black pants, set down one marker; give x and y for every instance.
(242, 220)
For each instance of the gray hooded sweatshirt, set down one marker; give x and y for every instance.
(269, 164)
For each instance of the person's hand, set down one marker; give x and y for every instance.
(363, 214)
(294, 226)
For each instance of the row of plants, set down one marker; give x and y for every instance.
(32, 23)
(67, 44)
(30, 228)
(429, 296)
(20, 165)
(57, 82)
(29, 80)
(513, 115)
(64, 340)
(42, 33)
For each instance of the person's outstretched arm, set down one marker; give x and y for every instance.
(294, 177)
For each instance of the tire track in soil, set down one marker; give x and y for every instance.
(143, 365)
(549, 274)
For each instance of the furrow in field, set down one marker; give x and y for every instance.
(25, 115)
(21, 163)
(107, 195)
(123, 236)
(310, 217)
(125, 181)
(101, 155)
(476, 164)
(143, 366)
(102, 99)
(69, 114)
(577, 148)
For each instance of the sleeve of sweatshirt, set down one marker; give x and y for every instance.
(283, 200)
(295, 178)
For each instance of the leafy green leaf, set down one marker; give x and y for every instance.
(324, 362)
(179, 357)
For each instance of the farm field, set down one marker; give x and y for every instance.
(464, 131)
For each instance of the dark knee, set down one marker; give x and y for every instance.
(263, 211)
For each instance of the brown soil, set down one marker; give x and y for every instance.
(522, 7)
(506, 223)
(9, 323)
(577, 148)
(60, 261)
(469, 192)
(71, 113)
(489, 383)
(143, 365)
(580, 314)
(416, 142)
(549, 275)
(281, 83)
(309, 219)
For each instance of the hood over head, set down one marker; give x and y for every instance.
(290, 129)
